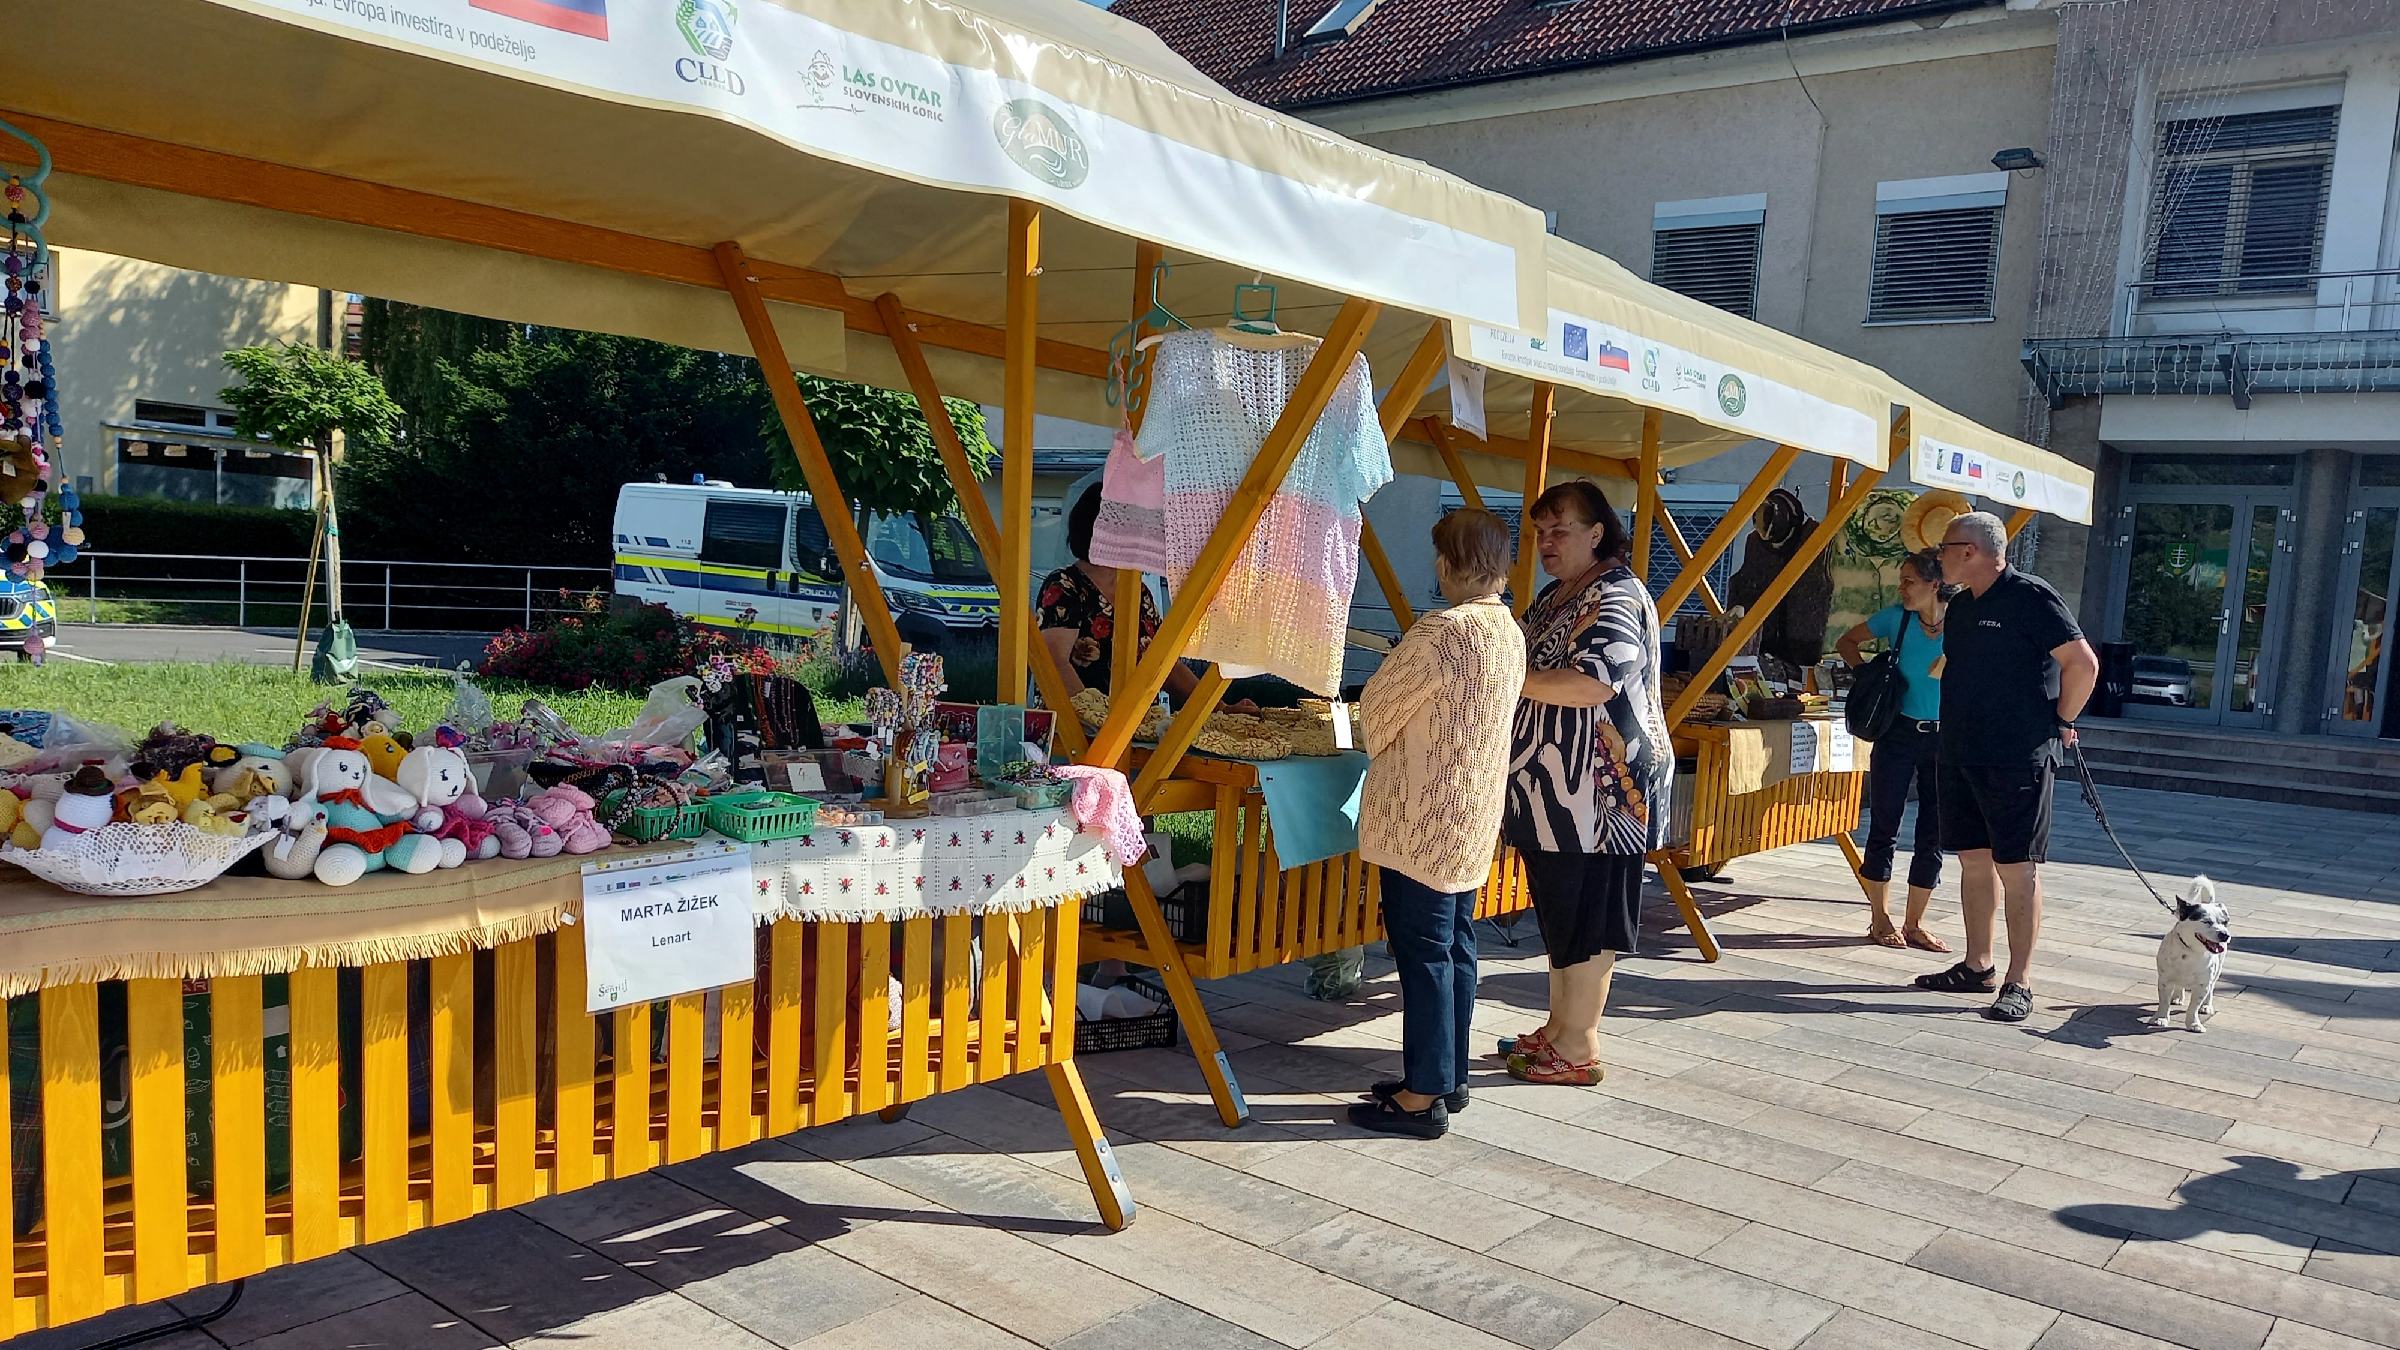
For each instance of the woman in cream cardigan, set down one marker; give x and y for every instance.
(1436, 725)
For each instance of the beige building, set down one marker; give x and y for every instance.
(140, 356)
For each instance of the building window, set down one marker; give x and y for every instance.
(1346, 17)
(157, 414)
(743, 534)
(1709, 250)
(1937, 249)
(2237, 205)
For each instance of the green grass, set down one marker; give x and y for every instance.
(236, 702)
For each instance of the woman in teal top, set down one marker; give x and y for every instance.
(1907, 752)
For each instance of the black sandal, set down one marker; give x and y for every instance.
(1390, 1088)
(2015, 1004)
(1384, 1116)
(1961, 979)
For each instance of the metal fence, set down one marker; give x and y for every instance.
(377, 595)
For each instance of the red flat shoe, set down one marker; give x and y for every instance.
(1550, 1070)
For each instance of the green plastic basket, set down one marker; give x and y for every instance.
(756, 817)
(649, 824)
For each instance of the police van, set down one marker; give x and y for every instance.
(758, 559)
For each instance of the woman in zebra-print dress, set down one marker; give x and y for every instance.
(1591, 771)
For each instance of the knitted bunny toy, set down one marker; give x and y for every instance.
(437, 777)
(367, 816)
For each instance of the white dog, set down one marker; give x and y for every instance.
(2191, 956)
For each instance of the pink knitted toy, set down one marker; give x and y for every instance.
(568, 810)
(468, 820)
(522, 833)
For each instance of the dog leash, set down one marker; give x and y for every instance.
(2091, 798)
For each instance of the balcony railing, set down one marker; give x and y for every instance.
(2297, 333)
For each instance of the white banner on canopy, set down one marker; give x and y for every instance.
(1980, 473)
(836, 93)
(1605, 359)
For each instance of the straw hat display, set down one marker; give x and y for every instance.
(1928, 518)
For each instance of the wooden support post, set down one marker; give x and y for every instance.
(1274, 459)
(1683, 558)
(1730, 528)
(1693, 919)
(2019, 519)
(1645, 480)
(973, 508)
(1747, 627)
(1380, 563)
(832, 506)
(1109, 1191)
(1125, 651)
(1537, 477)
(1447, 448)
(1857, 861)
(1015, 569)
(1177, 740)
(1835, 484)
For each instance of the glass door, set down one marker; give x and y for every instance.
(2201, 603)
(2364, 683)
(2177, 571)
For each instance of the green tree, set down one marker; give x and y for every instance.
(881, 449)
(409, 345)
(536, 436)
(300, 396)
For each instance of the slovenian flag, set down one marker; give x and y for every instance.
(586, 18)
(1613, 357)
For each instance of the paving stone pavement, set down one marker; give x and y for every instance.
(1793, 1151)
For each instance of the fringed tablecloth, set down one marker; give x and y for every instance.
(256, 925)
(1009, 863)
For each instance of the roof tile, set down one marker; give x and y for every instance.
(1417, 44)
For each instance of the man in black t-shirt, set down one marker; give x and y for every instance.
(2015, 673)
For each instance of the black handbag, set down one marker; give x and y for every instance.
(1873, 707)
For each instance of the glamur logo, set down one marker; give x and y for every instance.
(1041, 143)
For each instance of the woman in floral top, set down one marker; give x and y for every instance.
(1075, 611)
(1591, 771)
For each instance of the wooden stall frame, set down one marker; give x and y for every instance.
(90, 1261)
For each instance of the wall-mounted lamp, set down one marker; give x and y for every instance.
(2020, 157)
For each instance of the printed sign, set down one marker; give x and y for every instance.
(1979, 474)
(658, 929)
(812, 76)
(1841, 752)
(1804, 749)
(1604, 359)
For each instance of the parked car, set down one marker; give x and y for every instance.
(2161, 679)
(25, 607)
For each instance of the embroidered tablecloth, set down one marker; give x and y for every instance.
(1011, 862)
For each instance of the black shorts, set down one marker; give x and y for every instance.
(1585, 903)
(2001, 807)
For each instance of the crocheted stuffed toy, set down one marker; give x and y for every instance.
(366, 817)
(437, 777)
(567, 809)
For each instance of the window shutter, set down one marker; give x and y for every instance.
(1716, 265)
(1935, 265)
(2237, 205)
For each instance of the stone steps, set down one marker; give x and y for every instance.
(2302, 771)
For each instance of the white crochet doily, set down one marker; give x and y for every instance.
(123, 859)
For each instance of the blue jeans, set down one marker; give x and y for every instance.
(1433, 940)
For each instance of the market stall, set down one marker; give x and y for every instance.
(1001, 178)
